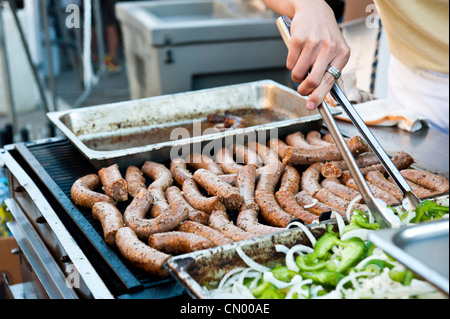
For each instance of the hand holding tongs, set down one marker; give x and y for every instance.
(383, 215)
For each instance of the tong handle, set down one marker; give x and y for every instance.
(384, 216)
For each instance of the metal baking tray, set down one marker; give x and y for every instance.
(207, 267)
(124, 133)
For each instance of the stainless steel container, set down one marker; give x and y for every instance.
(124, 133)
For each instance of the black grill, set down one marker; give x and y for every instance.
(55, 165)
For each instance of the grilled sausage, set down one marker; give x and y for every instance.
(83, 194)
(290, 185)
(220, 221)
(110, 218)
(230, 179)
(226, 160)
(160, 205)
(315, 138)
(215, 186)
(335, 169)
(263, 151)
(377, 178)
(278, 146)
(180, 173)
(306, 200)
(290, 181)
(328, 198)
(298, 140)
(299, 156)
(247, 156)
(135, 180)
(196, 199)
(113, 183)
(134, 216)
(271, 211)
(310, 181)
(246, 183)
(402, 161)
(175, 198)
(200, 161)
(377, 192)
(177, 242)
(427, 180)
(420, 191)
(161, 175)
(248, 221)
(217, 238)
(289, 204)
(270, 176)
(139, 254)
(338, 189)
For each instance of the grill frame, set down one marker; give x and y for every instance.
(123, 280)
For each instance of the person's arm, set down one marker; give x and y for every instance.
(316, 42)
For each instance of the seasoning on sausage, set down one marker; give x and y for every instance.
(271, 211)
(141, 255)
(302, 156)
(310, 181)
(315, 138)
(220, 221)
(420, 191)
(328, 198)
(246, 183)
(278, 146)
(226, 160)
(335, 169)
(298, 140)
(338, 189)
(196, 199)
(83, 192)
(180, 173)
(288, 203)
(113, 183)
(317, 208)
(218, 238)
(135, 216)
(215, 186)
(248, 221)
(110, 218)
(377, 178)
(177, 242)
(427, 180)
(135, 180)
(247, 156)
(377, 192)
(175, 198)
(263, 151)
(160, 204)
(402, 161)
(270, 176)
(200, 161)
(161, 175)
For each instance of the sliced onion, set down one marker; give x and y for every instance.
(307, 232)
(314, 203)
(290, 260)
(269, 277)
(251, 263)
(281, 249)
(297, 287)
(340, 222)
(361, 233)
(228, 275)
(350, 207)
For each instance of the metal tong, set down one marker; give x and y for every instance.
(384, 216)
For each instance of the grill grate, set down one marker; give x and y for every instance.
(55, 165)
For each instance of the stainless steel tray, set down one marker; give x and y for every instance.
(207, 267)
(117, 133)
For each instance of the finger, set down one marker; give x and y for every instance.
(328, 80)
(303, 65)
(315, 78)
